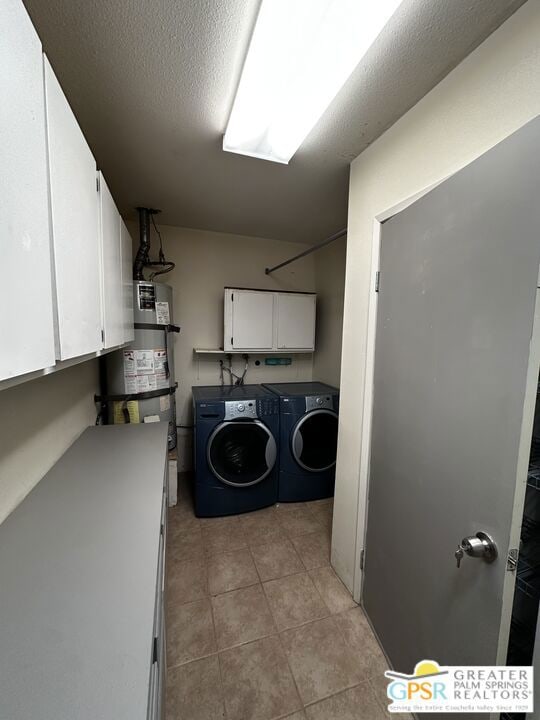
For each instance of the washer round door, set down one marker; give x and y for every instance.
(241, 453)
(314, 440)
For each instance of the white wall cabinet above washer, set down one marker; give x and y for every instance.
(26, 324)
(111, 275)
(75, 227)
(248, 320)
(267, 321)
(295, 321)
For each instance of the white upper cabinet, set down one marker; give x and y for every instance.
(295, 321)
(248, 320)
(75, 227)
(127, 282)
(111, 275)
(266, 321)
(26, 324)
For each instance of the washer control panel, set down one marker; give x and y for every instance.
(236, 409)
(268, 406)
(315, 402)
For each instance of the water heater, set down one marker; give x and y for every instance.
(140, 377)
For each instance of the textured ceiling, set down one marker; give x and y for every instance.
(152, 84)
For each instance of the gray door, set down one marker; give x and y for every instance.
(458, 281)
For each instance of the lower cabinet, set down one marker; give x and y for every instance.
(158, 672)
(82, 597)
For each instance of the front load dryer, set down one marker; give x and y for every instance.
(308, 440)
(235, 449)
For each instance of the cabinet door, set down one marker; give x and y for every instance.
(111, 273)
(127, 282)
(75, 227)
(252, 320)
(295, 318)
(26, 324)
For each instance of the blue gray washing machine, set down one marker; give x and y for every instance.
(308, 440)
(235, 449)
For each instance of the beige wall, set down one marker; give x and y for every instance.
(330, 284)
(38, 421)
(487, 97)
(206, 262)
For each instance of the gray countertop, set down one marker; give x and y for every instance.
(78, 568)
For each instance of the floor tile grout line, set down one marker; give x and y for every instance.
(340, 692)
(221, 651)
(256, 568)
(206, 558)
(305, 572)
(224, 704)
(270, 542)
(337, 612)
(344, 636)
(378, 700)
(240, 587)
(366, 680)
(288, 534)
(280, 640)
(192, 660)
(243, 587)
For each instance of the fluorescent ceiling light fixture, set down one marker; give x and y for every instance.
(301, 53)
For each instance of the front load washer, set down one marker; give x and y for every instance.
(235, 449)
(308, 440)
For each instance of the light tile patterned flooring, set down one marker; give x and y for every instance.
(259, 625)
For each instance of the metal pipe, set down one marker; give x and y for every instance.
(143, 252)
(144, 243)
(322, 244)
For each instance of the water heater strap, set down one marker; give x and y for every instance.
(138, 396)
(151, 326)
(165, 329)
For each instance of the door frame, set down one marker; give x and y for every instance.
(533, 372)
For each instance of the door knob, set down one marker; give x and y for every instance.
(480, 545)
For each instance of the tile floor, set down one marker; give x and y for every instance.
(259, 625)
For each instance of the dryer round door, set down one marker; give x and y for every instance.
(314, 440)
(241, 453)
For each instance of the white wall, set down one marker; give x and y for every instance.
(487, 97)
(206, 262)
(330, 285)
(39, 420)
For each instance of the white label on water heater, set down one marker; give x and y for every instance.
(162, 380)
(129, 362)
(162, 313)
(130, 384)
(144, 370)
(160, 360)
(164, 402)
(142, 383)
(144, 361)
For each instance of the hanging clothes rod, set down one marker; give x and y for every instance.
(322, 244)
